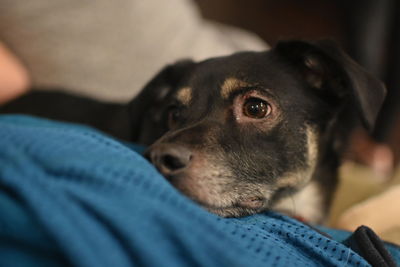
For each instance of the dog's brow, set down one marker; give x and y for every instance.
(231, 85)
(184, 95)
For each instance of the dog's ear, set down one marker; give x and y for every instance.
(165, 80)
(326, 67)
(145, 107)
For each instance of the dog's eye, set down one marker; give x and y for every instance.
(174, 115)
(256, 108)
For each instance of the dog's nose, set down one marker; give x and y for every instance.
(169, 159)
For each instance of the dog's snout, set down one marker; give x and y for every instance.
(169, 159)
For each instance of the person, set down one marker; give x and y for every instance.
(108, 50)
(70, 196)
(14, 78)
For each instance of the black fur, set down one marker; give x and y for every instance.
(229, 163)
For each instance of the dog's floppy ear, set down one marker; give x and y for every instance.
(160, 85)
(326, 67)
(144, 107)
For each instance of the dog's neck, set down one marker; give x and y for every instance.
(312, 201)
(306, 203)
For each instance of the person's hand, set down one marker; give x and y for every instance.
(14, 78)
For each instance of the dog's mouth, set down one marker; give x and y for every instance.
(223, 195)
(207, 180)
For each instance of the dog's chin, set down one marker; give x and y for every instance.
(233, 211)
(237, 208)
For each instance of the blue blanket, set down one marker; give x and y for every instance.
(72, 196)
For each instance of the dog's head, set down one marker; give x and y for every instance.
(236, 133)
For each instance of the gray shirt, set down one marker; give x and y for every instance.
(110, 49)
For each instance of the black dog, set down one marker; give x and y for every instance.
(243, 133)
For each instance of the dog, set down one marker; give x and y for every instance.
(244, 133)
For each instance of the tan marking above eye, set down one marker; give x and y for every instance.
(184, 95)
(231, 85)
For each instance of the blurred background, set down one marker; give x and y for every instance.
(109, 49)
